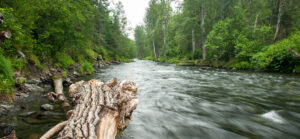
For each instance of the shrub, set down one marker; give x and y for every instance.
(148, 58)
(64, 74)
(64, 60)
(86, 67)
(19, 63)
(6, 75)
(276, 57)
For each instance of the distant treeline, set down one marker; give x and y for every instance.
(60, 33)
(241, 34)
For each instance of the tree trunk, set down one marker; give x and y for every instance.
(154, 50)
(204, 53)
(193, 43)
(255, 23)
(165, 37)
(278, 20)
(100, 111)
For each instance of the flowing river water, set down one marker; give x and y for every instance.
(191, 103)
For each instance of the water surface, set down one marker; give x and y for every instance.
(192, 103)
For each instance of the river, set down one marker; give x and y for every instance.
(191, 103)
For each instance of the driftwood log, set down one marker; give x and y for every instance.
(100, 110)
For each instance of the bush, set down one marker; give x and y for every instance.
(86, 67)
(276, 57)
(64, 60)
(6, 75)
(243, 65)
(174, 60)
(19, 63)
(148, 58)
(64, 74)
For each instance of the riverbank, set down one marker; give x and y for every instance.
(27, 104)
(212, 103)
(232, 65)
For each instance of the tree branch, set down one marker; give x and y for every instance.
(295, 54)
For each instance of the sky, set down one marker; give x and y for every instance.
(135, 11)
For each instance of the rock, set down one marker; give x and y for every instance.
(67, 82)
(33, 88)
(47, 87)
(47, 107)
(53, 70)
(20, 96)
(6, 129)
(34, 81)
(26, 114)
(49, 113)
(76, 73)
(6, 106)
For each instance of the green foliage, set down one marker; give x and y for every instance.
(239, 33)
(6, 75)
(276, 57)
(64, 74)
(64, 60)
(220, 41)
(148, 58)
(19, 63)
(86, 67)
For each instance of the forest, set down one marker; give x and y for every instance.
(177, 69)
(59, 34)
(234, 34)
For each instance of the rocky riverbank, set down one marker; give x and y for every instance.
(29, 106)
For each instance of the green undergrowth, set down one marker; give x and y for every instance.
(6, 75)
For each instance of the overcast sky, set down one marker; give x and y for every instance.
(135, 11)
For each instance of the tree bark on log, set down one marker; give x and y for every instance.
(101, 109)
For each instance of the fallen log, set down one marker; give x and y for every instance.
(58, 87)
(54, 130)
(100, 109)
